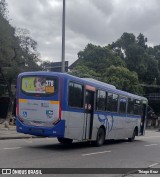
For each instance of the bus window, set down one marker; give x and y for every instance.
(101, 100)
(112, 103)
(75, 97)
(137, 107)
(39, 85)
(130, 106)
(122, 105)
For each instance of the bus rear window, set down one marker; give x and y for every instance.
(39, 85)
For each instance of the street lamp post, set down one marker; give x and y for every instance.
(63, 38)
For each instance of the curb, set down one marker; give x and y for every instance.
(19, 137)
(8, 138)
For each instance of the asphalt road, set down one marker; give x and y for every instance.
(47, 152)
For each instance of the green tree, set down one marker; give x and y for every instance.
(152, 71)
(135, 53)
(45, 65)
(124, 43)
(139, 61)
(3, 8)
(123, 79)
(84, 72)
(7, 43)
(141, 41)
(17, 51)
(98, 58)
(105, 64)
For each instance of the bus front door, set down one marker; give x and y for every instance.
(88, 115)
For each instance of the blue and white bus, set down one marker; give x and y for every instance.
(60, 105)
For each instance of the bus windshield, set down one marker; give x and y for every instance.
(39, 85)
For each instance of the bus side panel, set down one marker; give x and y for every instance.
(96, 125)
(110, 122)
(74, 125)
(74, 117)
(117, 126)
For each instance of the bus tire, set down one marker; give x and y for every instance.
(65, 140)
(133, 136)
(100, 137)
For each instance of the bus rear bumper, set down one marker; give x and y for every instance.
(55, 131)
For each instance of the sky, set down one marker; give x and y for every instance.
(99, 22)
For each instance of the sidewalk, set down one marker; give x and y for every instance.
(11, 133)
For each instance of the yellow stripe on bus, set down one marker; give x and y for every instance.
(54, 102)
(22, 100)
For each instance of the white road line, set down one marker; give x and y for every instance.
(13, 148)
(150, 144)
(153, 165)
(94, 153)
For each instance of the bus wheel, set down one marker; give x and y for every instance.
(133, 136)
(65, 140)
(100, 137)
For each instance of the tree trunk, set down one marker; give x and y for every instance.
(11, 102)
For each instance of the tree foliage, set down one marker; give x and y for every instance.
(84, 72)
(139, 57)
(127, 63)
(17, 49)
(3, 8)
(97, 58)
(123, 79)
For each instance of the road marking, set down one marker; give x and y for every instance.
(150, 144)
(153, 165)
(94, 153)
(13, 148)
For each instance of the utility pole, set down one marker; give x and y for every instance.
(63, 38)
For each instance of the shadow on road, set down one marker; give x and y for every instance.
(77, 145)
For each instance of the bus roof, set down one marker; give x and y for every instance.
(90, 81)
(99, 82)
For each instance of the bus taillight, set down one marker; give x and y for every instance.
(60, 111)
(17, 109)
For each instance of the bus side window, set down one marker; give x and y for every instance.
(75, 96)
(100, 100)
(137, 107)
(130, 106)
(109, 101)
(122, 105)
(112, 103)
